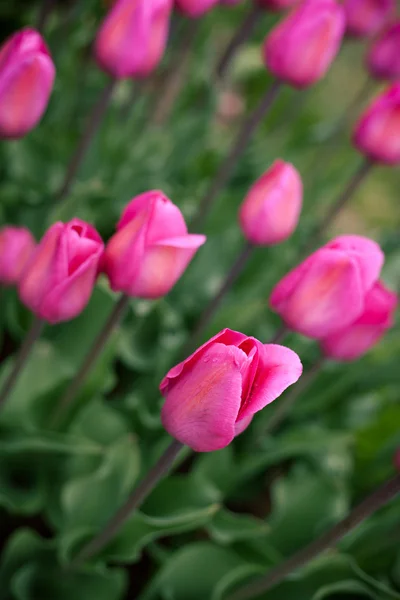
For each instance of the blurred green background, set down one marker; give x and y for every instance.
(220, 518)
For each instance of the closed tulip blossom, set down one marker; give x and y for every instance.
(360, 336)
(327, 291)
(195, 8)
(367, 17)
(377, 132)
(383, 59)
(26, 80)
(133, 37)
(212, 396)
(58, 280)
(16, 247)
(151, 248)
(302, 47)
(271, 209)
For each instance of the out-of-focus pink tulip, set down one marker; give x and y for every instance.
(213, 395)
(367, 17)
(276, 4)
(151, 248)
(357, 338)
(133, 37)
(302, 47)
(26, 81)
(195, 8)
(326, 292)
(271, 209)
(377, 133)
(58, 280)
(16, 247)
(383, 59)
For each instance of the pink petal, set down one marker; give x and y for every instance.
(285, 287)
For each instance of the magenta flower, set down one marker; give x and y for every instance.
(302, 47)
(26, 81)
(213, 395)
(367, 17)
(151, 249)
(195, 8)
(377, 132)
(360, 336)
(16, 247)
(327, 291)
(271, 209)
(58, 280)
(383, 59)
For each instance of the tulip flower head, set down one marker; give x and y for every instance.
(302, 47)
(26, 81)
(151, 248)
(383, 59)
(16, 248)
(213, 395)
(327, 291)
(58, 280)
(360, 336)
(377, 132)
(133, 37)
(195, 8)
(271, 209)
(367, 17)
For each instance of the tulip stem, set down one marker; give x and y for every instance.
(93, 354)
(279, 335)
(215, 303)
(241, 35)
(20, 361)
(92, 126)
(379, 498)
(239, 146)
(354, 105)
(134, 501)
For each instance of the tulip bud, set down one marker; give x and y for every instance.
(327, 291)
(276, 4)
(57, 282)
(195, 8)
(357, 338)
(301, 48)
(16, 247)
(377, 133)
(383, 59)
(367, 17)
(133, 37)
(213, 395)
(151, 248)
(26, 81)
(271, 209)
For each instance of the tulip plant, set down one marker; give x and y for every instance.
(199, 386)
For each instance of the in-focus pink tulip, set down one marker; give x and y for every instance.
(360, 336)
(383, 59)
(367, 17)
(132, 39)
(271, 209)
(276, 4)
(57, 282)
(195, 8)
(377, 133)
(326, 292)
(151, 248)
(302, 47)
(16, 247)
(26, 81)
(213, 395)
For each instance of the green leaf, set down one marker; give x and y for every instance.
(228, 527)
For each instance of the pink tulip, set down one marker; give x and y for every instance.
(26, 81)
(195, 8)
(151, 248)
(377, 133)
(58, 280)
(383, 59)
(360, 336)
(16, 247)
(213, 395)
(367, 17)
(271, 209)
(302, 47)
(326, 292)
(132, 39)
(276, 4)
